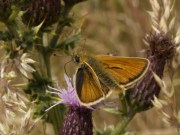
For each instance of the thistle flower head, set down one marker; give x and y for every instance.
(160, 45)
(67, 96)
(161, 50)
(78, 120)
(46, 11)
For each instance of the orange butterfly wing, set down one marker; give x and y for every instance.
(88, 87)
(126, 70)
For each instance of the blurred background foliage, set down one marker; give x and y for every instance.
(117, 27)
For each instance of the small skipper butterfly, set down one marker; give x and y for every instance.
(98, 76)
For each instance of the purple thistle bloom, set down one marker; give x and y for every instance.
(69, 96)
(78, 120)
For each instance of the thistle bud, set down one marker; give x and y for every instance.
(42, 10)
(161, 50)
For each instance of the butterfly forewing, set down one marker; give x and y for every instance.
(125, 70)
(88, 87)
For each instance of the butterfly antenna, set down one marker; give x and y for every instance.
(83, 46)
(65, 67)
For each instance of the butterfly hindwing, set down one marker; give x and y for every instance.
(89, 88)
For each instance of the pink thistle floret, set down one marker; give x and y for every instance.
(78, 120)
(69, 96)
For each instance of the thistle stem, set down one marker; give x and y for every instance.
(60, 27)
(47, 56)
(120, 128)
(56, 114)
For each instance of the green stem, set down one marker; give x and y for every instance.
(60, 27)
(120, 128)
(47, 62)
(41, 55)
(123, 103)
(58, 32)
(55, 115)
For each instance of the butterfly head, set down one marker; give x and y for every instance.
(76, 58)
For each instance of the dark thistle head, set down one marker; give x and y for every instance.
(161, 46)
(161, 51)
(46, 11)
